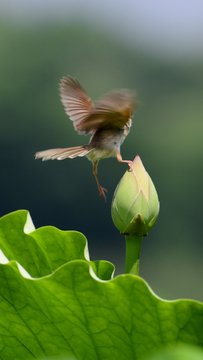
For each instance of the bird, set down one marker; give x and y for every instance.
(108, 120)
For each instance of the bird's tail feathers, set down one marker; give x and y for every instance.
(61, 154)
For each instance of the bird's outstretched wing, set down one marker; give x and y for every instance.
(112, 111)
(77, 103)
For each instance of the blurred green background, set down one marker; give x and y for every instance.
(167, 133)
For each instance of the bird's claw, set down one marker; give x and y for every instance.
(130, 166)
(102, 192)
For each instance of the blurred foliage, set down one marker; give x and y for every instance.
(166, 133)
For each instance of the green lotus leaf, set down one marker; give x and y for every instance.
(71, 312)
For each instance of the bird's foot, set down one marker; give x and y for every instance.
(130, 166)
(102, 192)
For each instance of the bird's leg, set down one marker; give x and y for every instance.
(119, 158)
(101, 189)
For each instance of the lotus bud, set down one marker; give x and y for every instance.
(135, 204)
